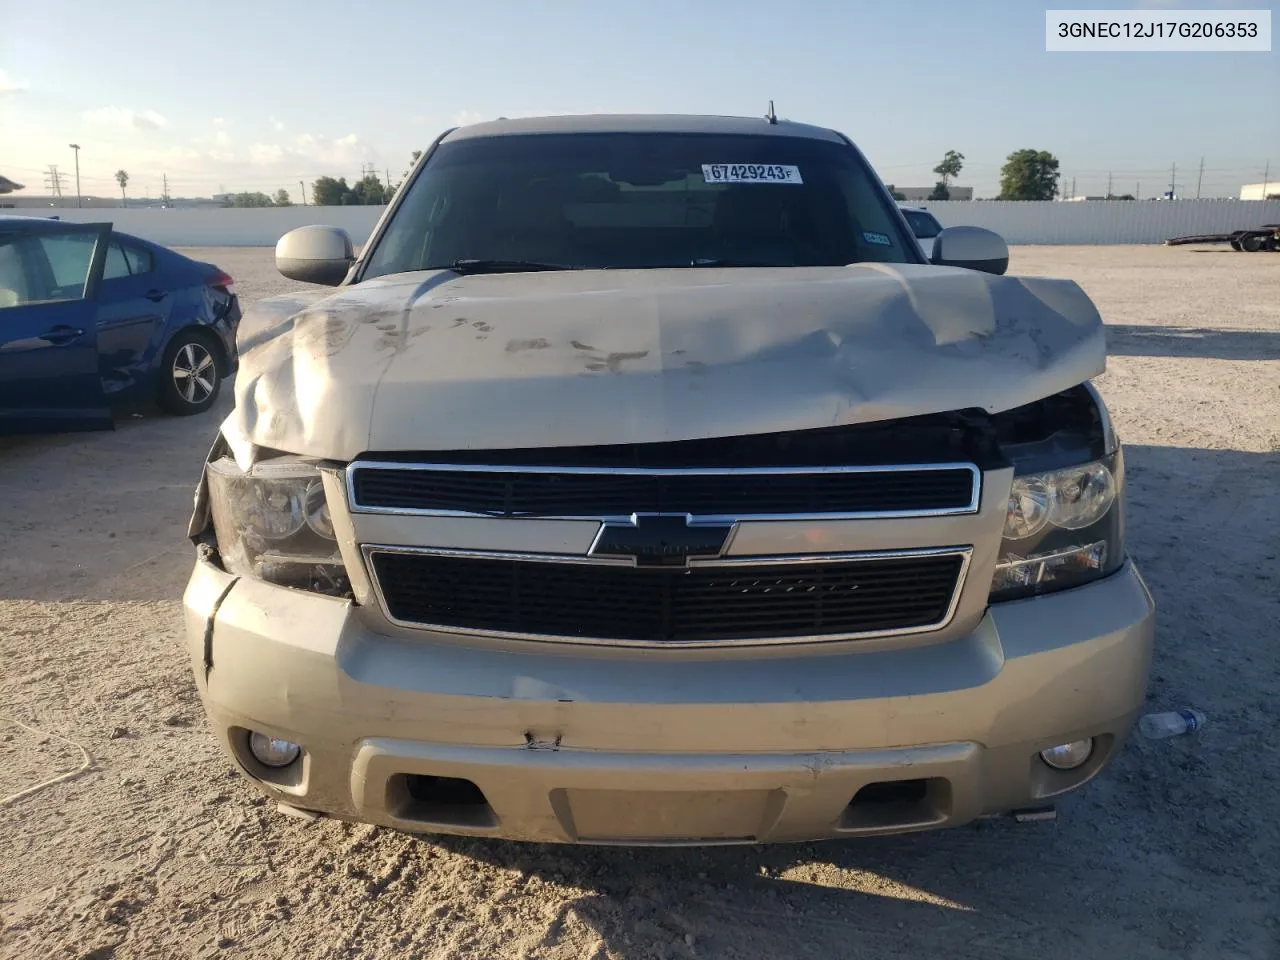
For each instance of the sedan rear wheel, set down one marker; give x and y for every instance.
(190, 378)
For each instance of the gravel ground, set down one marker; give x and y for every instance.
(159, 850)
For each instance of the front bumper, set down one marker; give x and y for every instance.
(643, 746)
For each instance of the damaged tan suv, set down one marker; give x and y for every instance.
(642, 482)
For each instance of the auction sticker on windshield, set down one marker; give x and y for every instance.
(751, 173)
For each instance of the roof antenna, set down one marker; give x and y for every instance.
(771, 116)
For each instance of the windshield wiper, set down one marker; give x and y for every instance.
(505, 266)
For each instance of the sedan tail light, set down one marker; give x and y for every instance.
(222, 279)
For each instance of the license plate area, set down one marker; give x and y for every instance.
(667, 816)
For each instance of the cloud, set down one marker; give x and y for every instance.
(218, 121)
(277, 124)
(10, 85)
(309, 152)
(465, 117)
(265, 153)
(125, 119)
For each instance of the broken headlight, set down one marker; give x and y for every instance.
(1062, 528)
(272, 523)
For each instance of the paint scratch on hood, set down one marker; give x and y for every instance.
(434, 361)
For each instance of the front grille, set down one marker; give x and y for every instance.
(699, 604)
(740, 494)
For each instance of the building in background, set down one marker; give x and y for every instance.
(28, 202)
(1261, 191)
(917, 194)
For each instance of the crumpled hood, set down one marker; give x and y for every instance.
(434, 361)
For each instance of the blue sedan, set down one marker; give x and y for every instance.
(91, 319)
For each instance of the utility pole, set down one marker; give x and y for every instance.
(1266, 172)
(76, 148)
(303, 187)
(1173, 182)
(1073, 188)
(1108, 185)
(1137, 190)
(1200, 178)
(164, 191)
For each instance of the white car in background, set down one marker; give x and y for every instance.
(924, 225)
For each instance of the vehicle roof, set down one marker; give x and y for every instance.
(38, 220)
(25, 217)
(643, 123)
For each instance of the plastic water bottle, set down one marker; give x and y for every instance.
(1159, 726)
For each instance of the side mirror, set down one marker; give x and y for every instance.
(971, 247)
(315, 255)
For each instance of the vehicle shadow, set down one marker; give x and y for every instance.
(1161, 856)
(1150, 340)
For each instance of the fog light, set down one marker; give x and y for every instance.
(1068, 756)
(272, 751)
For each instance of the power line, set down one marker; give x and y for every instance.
(53, 180)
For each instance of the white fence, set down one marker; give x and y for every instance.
(216, 226)
(1086, 222)
(1103, 221)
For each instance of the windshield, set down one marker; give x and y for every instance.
(922, 224)
(641, 200)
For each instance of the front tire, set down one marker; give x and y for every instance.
(190, 377)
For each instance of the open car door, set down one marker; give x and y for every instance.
(50, 274)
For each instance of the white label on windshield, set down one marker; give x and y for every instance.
(751, 173)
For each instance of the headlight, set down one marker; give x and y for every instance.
(1062, 528)
(273, 524)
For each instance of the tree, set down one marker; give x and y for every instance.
(392, 190)
(253, 199)
(1029, 175)
(1122, 196)
(328, 192)
(894, 193)
(413, 162)
(122, 178)
(282, 198)
(940, 191)
(368, 191)
(951, 165)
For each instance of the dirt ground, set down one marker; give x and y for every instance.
(160, 850)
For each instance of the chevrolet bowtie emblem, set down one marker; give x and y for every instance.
(660, 540)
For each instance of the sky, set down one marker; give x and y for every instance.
(260, 95)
